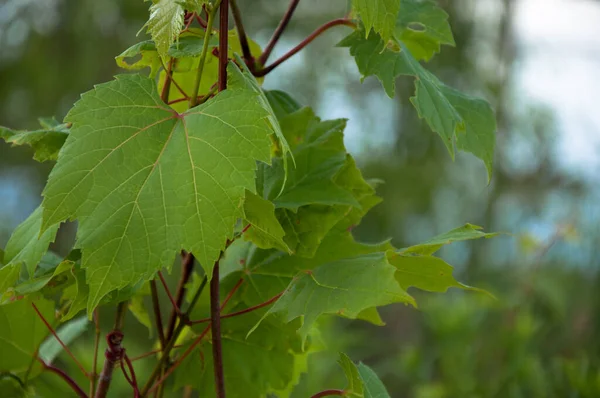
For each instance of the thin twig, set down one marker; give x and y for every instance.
(187, 267)
(241, 312)
(171, 299)
(94, 374)
(79, 365)
(329, 393)
(114, 352)
(207, 35)
(304, 43)
(237, 17)
(223, 46)
(80, 393)
(164, 95)
(278, 31)
(157, 314)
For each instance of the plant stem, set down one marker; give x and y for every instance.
(223, 44)
(237, 17)
(329, 393)
(304, 43)
(168, 291)
(113, 353)
(278, 31)
(207, 35)
(157, 314)
(80, 393)
(187, 266)
(164, 95)
(94, 374)
(241, 312)
(79, 365)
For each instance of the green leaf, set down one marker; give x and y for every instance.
(49, 281)
(9, 275)
(459, 119)
(165, 23)
(145, 182)
(265, 231)
(21, 332)
(69, 332)
(46, 143)
(378, 14)
(423, 27)
(424, 272)
(282, 103)
(139, 310)
(77, 293)
(26, 245)
(373, 386)
(148, 57)
(355, 383)
(346, 287)
(466, 232)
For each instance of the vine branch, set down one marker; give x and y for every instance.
(278, 31)
(94, 374)
(114, 352)
(329, 393)
(207, 35)
(157, 313)
(187, 266)
(237, 17)
(304, 43)
(241, 312)
(80, 393)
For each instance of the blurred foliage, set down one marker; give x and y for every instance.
(539, 339)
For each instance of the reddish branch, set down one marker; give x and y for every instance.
(113, 354)
(59, 340)
(187, 266)
(278, 31)
(80, 393)
(241, 312)
(94, 374)
(173, 303)
(329, 393)
(304, 43)
(237, 17)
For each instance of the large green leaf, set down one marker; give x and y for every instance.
(146, 182)
(423, 27)
(378, 14)
(21, 332)
(459, 119)
(345, 287)
(26, 245)
(46, 142)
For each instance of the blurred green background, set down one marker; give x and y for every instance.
(536, 61)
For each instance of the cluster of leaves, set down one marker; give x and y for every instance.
(146, 177)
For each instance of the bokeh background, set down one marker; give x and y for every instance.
(536, 61)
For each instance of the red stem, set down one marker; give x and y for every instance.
(223, 37)
(278, 31)
(215, 318)
(173, 303)
(80, 393)
(237, 17)
(157, 313)
(187, 266)
(304, 43)
(241, 312)
(131, 380)
(164, 95)
(59, 340)
(329, 393)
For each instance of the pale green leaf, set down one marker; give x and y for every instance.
(140, 312)
(378, 14)
(26, 245)
(46, 143)
(345, 287)
(466, 232)
(145, 182)
(148, 57)
(165, 23)
(423, 27)
(459, 119)
(21, 332)
(69, 332)
(265, 231)
(373, 386)
(355, 383)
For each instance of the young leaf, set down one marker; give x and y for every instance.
(148, 57)
(345, 287)
(378, 14)
(26, 245)
(459, 119)
(145, 182)
(355, 383)
(69, 332)
(466, 232)
(57, 278)
(423, 27)
(373, 386)
(21, 332)
(265, 231)
(46, 143)
(9, 275)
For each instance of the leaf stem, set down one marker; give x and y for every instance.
(223, 45)
(237, 17)
(94, 374)
(164, 95)
(79, 365)
(304, 43)
(80, 393)
(187, 267)
(157, 313)
(215, 318)
(241, 312)
(207, 35)
(278, 32)
(329, 393)
(176, 309)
